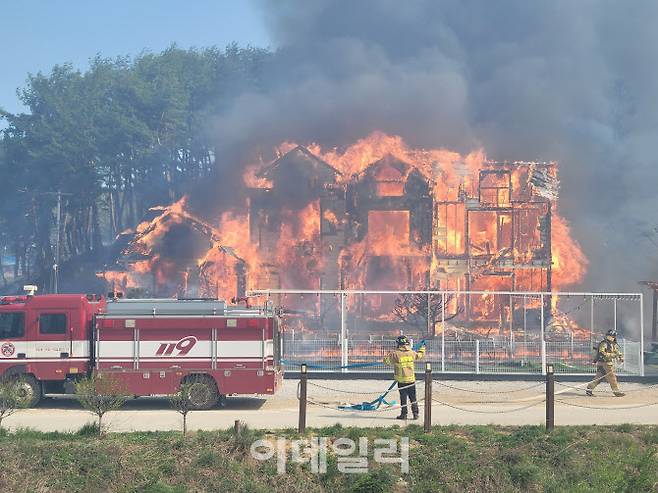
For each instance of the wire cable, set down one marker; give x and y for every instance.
(607, 408)
(488, 412)
(539, 384)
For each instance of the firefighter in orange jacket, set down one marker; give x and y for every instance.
(403, 361)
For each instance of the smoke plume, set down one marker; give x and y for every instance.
(553, 80)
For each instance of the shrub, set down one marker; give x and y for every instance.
(100, 395)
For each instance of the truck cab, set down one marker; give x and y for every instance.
(46, 339)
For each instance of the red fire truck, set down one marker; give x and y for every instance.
(149, 346)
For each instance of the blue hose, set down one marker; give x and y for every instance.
(372, 405)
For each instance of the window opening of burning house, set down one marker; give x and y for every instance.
(52, 323)
(12, 325)
(379, 221)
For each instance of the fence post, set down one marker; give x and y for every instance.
(343, 335)
(591, 320)
(303, 381)
(550, 398)
(543, 338)
(614, 308)
(430, 328)
(427, 425)
(642, 334)
(443, 332)
(477, 356)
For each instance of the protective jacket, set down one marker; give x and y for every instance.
(608, 352)
(403, 362)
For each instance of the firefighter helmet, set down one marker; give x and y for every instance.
(402, 341)
(611, 333)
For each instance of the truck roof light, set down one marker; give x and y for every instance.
(30, 289)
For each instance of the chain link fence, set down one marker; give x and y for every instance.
(479, 356)
(465, 331)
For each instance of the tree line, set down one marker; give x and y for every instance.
(114, 140)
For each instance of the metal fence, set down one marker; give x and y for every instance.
(479, 356)
(493, 332)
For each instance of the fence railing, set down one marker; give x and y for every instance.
(470, 331)
(474, 356)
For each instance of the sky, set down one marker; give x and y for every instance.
(38, 34)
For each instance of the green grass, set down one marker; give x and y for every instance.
(453, 459)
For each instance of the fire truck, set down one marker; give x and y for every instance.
(148, 346)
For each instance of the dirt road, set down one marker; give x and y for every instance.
(454, 402)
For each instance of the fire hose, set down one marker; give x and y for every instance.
(376, 403)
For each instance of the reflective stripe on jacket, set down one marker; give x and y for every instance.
(608, 352)
(403, 362)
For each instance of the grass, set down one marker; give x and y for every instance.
(453, 459)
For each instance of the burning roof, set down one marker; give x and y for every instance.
(377, 214)
(302, 161)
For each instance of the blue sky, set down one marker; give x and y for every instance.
(36, 34)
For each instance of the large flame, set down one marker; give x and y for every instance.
(569, 261)
(289, 249)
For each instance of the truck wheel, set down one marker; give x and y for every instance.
(29, 390)
(203, 393)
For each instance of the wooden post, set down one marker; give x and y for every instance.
(427, 425)
(302, 399)
(550, 398)
(237, 427)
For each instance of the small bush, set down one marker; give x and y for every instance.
(182, 403)
(650, 437)
(11, 398)
(524, 473)
(242, 440)
(88, 429)
(207, 458)
(624, 428)
(377, 481)
(100, 394)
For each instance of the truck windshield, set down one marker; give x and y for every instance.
(12, 325)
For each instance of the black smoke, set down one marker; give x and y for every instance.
(569, 81)
(575, 82)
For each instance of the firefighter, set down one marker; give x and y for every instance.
(403, 362)
(607, 354)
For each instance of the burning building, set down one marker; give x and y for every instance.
(377, 215)
(175, 253)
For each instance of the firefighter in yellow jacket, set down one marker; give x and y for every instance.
(403, 361)
(607, 354)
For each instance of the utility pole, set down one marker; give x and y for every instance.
(55, 278)
(56, 265)
(58, 242)
(54, 281)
